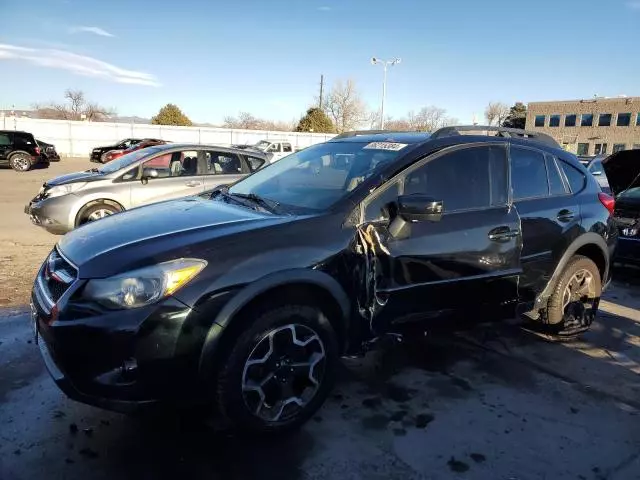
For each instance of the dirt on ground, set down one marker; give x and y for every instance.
(24, 245)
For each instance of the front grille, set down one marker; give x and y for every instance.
(57, 275)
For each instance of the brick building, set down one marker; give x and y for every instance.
(589, 127)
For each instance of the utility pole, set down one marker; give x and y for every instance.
(321, 91)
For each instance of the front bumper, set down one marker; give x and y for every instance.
(126, 360)
(52, 214)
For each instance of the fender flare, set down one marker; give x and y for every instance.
(589, 238)
(247, 294)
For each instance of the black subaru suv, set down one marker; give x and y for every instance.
(20, 151)
(244, 298)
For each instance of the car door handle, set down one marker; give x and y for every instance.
(503, 234)
(565, 215)
(192, 183)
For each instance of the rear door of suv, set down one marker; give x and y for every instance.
(469, 260)
(550, 215)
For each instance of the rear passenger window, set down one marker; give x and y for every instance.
(528, 174)
(5, 139)
(556, 186)
(574, 176)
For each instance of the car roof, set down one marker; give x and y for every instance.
(377, 136)
(16, 131)
(180, 146)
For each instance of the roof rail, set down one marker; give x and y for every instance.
(501, 132)
(357, 133)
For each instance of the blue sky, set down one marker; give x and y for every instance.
(215, 58)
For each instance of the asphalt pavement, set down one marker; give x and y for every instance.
(492, 403)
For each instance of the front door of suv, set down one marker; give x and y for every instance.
(469, 260)
(177, 174)
(550, 215)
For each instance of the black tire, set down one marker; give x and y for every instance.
(21, 162)
(89, 213)
(232, 403)
(563, 323)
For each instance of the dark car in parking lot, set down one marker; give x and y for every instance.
(48, 151)
(242, 302)
(623, 170)
(20, 151)
(96, 153)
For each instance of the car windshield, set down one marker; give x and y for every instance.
(317, 177)
(126, 160)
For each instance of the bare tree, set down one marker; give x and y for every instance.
(427, 119)
(345, 107)
(76, 107)
(247, 121)
(496, 113)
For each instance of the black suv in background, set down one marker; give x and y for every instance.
(20, 151)
(244, 299)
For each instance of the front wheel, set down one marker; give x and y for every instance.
(96, 212)
(574, 302)
(279, 371)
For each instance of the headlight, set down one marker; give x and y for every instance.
(144, 286)
(60, 190)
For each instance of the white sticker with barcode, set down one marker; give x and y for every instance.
(385, 146)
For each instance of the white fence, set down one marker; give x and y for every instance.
(76, 139)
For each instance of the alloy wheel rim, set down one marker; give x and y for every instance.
(580, 288)
(98, 214)
(283, 372)
(21, 163)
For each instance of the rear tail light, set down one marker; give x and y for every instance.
(608, 201)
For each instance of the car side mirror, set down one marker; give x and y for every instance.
(148, 173)
(420, 208)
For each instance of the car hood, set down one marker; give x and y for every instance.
(86, 176)
(157, 232)
(623, 170)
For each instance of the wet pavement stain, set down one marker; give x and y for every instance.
(478, 457)
(375, 422)
(457, 465)
(424, 419)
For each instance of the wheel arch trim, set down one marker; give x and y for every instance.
(244, 296)
(589, 238)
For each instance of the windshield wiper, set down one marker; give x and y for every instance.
(269, 205)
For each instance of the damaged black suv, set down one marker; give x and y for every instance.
(243, 299)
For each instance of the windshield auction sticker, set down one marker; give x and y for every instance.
(385, 146)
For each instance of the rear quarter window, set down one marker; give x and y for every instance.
(575, 177)
(255, 163)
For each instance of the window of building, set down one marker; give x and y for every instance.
(554, 120)
(540, 119)
(586, 120)
(600, 149)
(479, 174)
(583, 149)
(570, 120)
(624, 120)
(617, 147)
(575, 177)
(604, 120)
(528, 174)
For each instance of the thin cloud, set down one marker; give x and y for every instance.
(77, 64)
(634, 5)
(95, 30)
(324, 8)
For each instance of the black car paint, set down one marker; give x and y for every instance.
(366, 279)
(97, 152)
(21, 142)
(623, 171)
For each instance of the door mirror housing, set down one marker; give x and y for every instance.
(420, 208)
(148, 173)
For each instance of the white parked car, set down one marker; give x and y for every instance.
(277, 148)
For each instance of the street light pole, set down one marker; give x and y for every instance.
(385, 64)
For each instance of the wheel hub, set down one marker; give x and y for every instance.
(283, 372)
